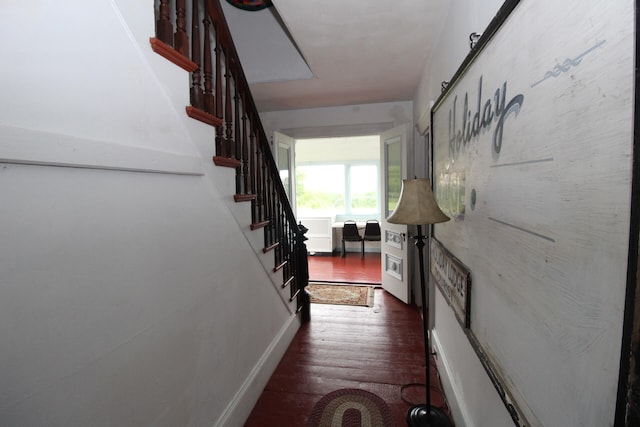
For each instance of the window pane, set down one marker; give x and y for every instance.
(394, 174)
(284, 165)
(364, 189)
(320, 190)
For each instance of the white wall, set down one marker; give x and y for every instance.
(464, 17)
(118, 303)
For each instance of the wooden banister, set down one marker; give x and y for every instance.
(220, 96)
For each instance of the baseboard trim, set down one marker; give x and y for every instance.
(239, 409)
(451, 390)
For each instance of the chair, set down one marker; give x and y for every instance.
(350, 234)
(371, 232)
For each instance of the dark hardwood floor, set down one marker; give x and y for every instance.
(378, 349)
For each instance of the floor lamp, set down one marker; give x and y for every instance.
(417, 206)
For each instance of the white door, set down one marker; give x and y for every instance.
(285, 159)
(394, 243)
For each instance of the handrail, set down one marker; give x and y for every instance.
(221, 97)
(241, 80)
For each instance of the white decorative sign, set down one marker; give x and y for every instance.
(532, 160)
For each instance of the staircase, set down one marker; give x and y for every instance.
(193, 34)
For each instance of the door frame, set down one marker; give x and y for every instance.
(286, 143)
(396, 258)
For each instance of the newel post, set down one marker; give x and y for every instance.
(302, 272)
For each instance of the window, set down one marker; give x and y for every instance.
(363, 189)
(320, 190)
(338, 177)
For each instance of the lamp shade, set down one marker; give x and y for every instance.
(417, 205)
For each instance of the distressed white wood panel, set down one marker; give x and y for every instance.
(546, 239)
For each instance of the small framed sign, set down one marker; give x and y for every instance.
(454, 280)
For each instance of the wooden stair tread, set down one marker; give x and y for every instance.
(203, 116)
(280, 266)
(257, 225)
(166, 51)
(244, 197)
(226, 162)
(270, 247)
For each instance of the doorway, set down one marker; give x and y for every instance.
(337, 179)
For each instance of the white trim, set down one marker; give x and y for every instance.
(36, 147)
(424, 121)
(451, 390)
(337, 130)
(239, 408)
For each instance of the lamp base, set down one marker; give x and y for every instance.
(422, 415)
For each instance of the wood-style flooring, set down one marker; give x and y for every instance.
(378, 349)
(353, 268)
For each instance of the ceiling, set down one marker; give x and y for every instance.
(306, 54)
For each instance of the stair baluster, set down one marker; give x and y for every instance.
(164, 28)
(196, 94)
(181, 38)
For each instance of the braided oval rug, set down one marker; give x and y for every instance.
(351, 408)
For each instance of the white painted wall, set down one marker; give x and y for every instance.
(464, 17)
(118, 303)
